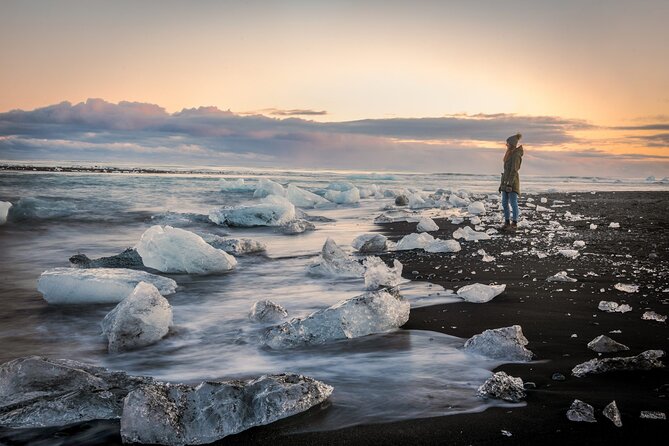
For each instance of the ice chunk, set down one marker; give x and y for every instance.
(235, 246)
(378, 274)
(129, 258)
(348, 196)
(650, 359)
(593, 226)
(41, 392)
(414, 241)
(456, 220)
(426, 224)
(612, 413)
(457, 201)
(469, 234)
(627, 288)
(476, 208)
(142, 318)
(653, 316)
(652, 415)
(503, 387)
(507, 343)
(544, 200)
(297, 227)
(610, 307)
(272, 211)
(561, 277)
(303, 198)
(486, 258)
(604, 344)
(370, 243)
(580, 411)
(370, 191)
(174, 250)
(543, 209)
(579, 244)
(372, 312)
(475, 220)
(238, 185)
(267, 311)
(614, 225)
(438, 245)
(96, 285)
(4, 211)
(333, 261)
(480, 293)
(569, 253)
(179, 414)
(268, 187)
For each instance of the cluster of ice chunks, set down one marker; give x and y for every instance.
(142, 318)
(480, 293)
(96, 285)
(303, 198)
(379, 275)
(370, 243)
(504, 387)
(273, 210)
(333, 261)
(174, 250)
(507, 343)
(650, 359)
(372, 312)
(267, 311)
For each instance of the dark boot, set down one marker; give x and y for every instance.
(506, 225)
(513, 226)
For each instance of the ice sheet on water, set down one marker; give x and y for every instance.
(333, 261)
(468, 234)
(174, 250)
(303, 198)
(626, 287)
(476, 208)
(180, 414)
(272, 211)
(96, 285)
(379, 275)
(370, 243)
(372, 312)
(267, 311)
(426, 224)
(268, 187)
(439, 245)
(480, 293)
(141, 319)
(507, 343)
(4, 210)
(238, 185)
(414, 241)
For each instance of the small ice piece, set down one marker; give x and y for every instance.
(593, 226)
(370, 243)
(456, 220)
(378, 274)
(439, 245)
(333, 261)
(272, 211)
(476, 208)
(426, 224)
(569, 253)
(504, 387)
(579, 244)
(650, 359)
(416, 201)
(544, 200)
(238, 185)
(507, 343)
(180, 414)
(614, 225)
(653, 316)
(372, 312)
(268, 187)
(507, 253)
(174, 250)
(414, 241)
(267, 311)
(235, 246)
(627, 288)
(142, 318)
(342, 193)
(480, 293)
(4, 210)
(96, 285)
(610, 307)
(580, 411)
(561, 277)
(652, 415)
(506, 433)
(38, 392)
(297, 227)
(469, 234)
(303, 198)
(543, 209)
(612, 413)
(604, 344)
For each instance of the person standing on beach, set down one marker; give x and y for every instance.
(510, 185)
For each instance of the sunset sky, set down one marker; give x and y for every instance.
(399, 85)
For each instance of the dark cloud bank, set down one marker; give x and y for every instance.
(99, 131)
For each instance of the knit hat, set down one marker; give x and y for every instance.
(513, 140)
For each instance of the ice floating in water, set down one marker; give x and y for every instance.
(174, 250)
(604, 344)
(41, 392)
(142, 318)
(378, 274)
(267, 311)
(653, 316)
(438, 245)
(503, 387)
(370, 243)
(561, 277)
(426, 224)
(303, 198)
(611, 307)
(650, 359)
(507, 343)
(238, 185)
(480, 293)
(297, 227)
(569, 253)
(179, 414)
(96, 285)
(333, 261)
(372, 312)
(627, 288)
(272, 211)
(4, 210)
(469, 234)
(347, 196)
(268, 187)
(414, 241)
(476, 208)
(235, 246)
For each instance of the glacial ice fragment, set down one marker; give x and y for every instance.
(611, 307)
(439, 245)
(297, 227)
(652, 415)
(580, 411)
(612, 413)
(650, 359)
(653, 316)
(561, 277)
(507, 343)
(469, 234)
(342, 193)
(333, 261)
(626, 287)
(476, 208)
(4, 211)
(378, 274)
(414, 241)
(569, 253)
(267, 311)
(370, 243)
(480, 293)
(238, 185)
(504, 387)
(426, 224)
(268, 187)
(273, 210)
(604, 344)
(234, 246)
(303, 198)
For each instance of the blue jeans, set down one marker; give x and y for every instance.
(513, 197)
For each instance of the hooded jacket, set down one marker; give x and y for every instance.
(510, 176)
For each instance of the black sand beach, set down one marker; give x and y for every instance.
(558, 319)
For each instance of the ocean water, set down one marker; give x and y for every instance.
(390, 376)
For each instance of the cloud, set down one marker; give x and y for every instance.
(290, 112)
